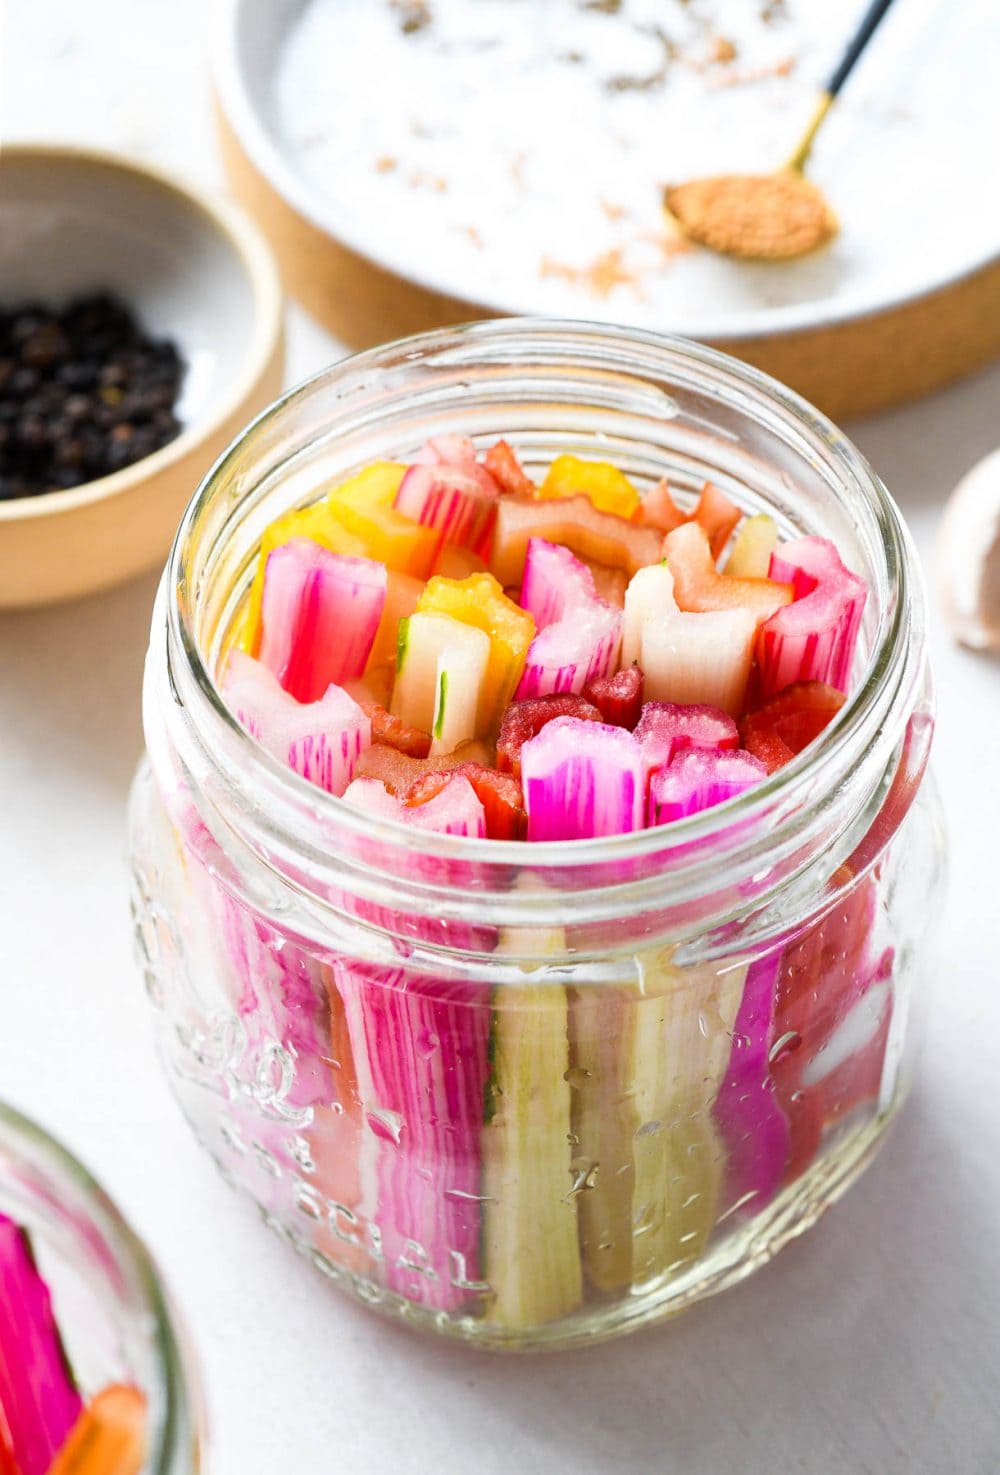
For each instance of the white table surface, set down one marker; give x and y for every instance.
(871, 1346)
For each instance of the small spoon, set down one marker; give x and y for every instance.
(769, 217)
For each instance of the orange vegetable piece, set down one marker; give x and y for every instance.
(699, 587)
(717, 515)
(480, 601)
(109, 1437)
(600, 537)
(789, 722)
(399, 772)
(659, 510)
(502, 463)
(395, 733)
(401, 596)
(363, 506)
(498, 793)
(454, 562)
(607, 488)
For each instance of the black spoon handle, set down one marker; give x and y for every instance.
(859, 41)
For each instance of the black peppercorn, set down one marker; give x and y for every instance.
(83, 392)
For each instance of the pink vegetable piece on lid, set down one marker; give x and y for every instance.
(812, 639)
(582, 780)
(38, 1401)
(322, 740)
(697, 780)
(319, 615)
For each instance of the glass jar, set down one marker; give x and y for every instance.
(113, 1315)
(539, 1094)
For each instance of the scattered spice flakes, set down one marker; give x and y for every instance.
(414, 15)
(386, 164)
(602, 7)
(613, 212)
(747, 76)
(773, 10)
(517, 166)
(475, 236)
(420, 179)
(722, 51)
(602, 276)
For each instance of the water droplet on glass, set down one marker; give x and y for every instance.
(584, 1179)
(577, 1076)
(788, 1042)
(386, 1124)
(703, 1026)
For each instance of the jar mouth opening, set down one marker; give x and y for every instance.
(889, 669)
(47, 1161)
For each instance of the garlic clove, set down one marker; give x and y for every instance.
(968, 557)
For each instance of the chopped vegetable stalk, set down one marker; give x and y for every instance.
(393, 732)
(677, 1052)
(700, 658)
(582, 780)
(38, 1401)
(752, 1124)
(607, 488)
(447, 450)
(454, 810)
(575, 522)
(506, 470)
(753, 545)
(618, 698)
(109, 1437)
(457, 563)
(459, 502)
(698, 779)
(319, 615)
(398, 770)
(523, 720)
(364, 506)
(580, 648)
(320, 740)
(431, 646)
(554, 582)
(461, 671)
(609, 583)
(420, 1048)
(789, 722)
(530, 1248)
(668, 728)
(716, 516)
(698, 585)
(649, 596)
(480, 602)
(812, 639)
(659, 510)
(646, 1064)
(316, 523)
(401, 598)
(499, 793)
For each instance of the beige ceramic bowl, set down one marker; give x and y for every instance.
(194, 270)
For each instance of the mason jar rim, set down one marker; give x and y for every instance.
(887, 686)
(26, 1141)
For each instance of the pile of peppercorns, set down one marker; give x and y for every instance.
(83, 392)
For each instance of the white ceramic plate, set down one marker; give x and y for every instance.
(511, 153)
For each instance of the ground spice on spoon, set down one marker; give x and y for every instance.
(763, 217)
